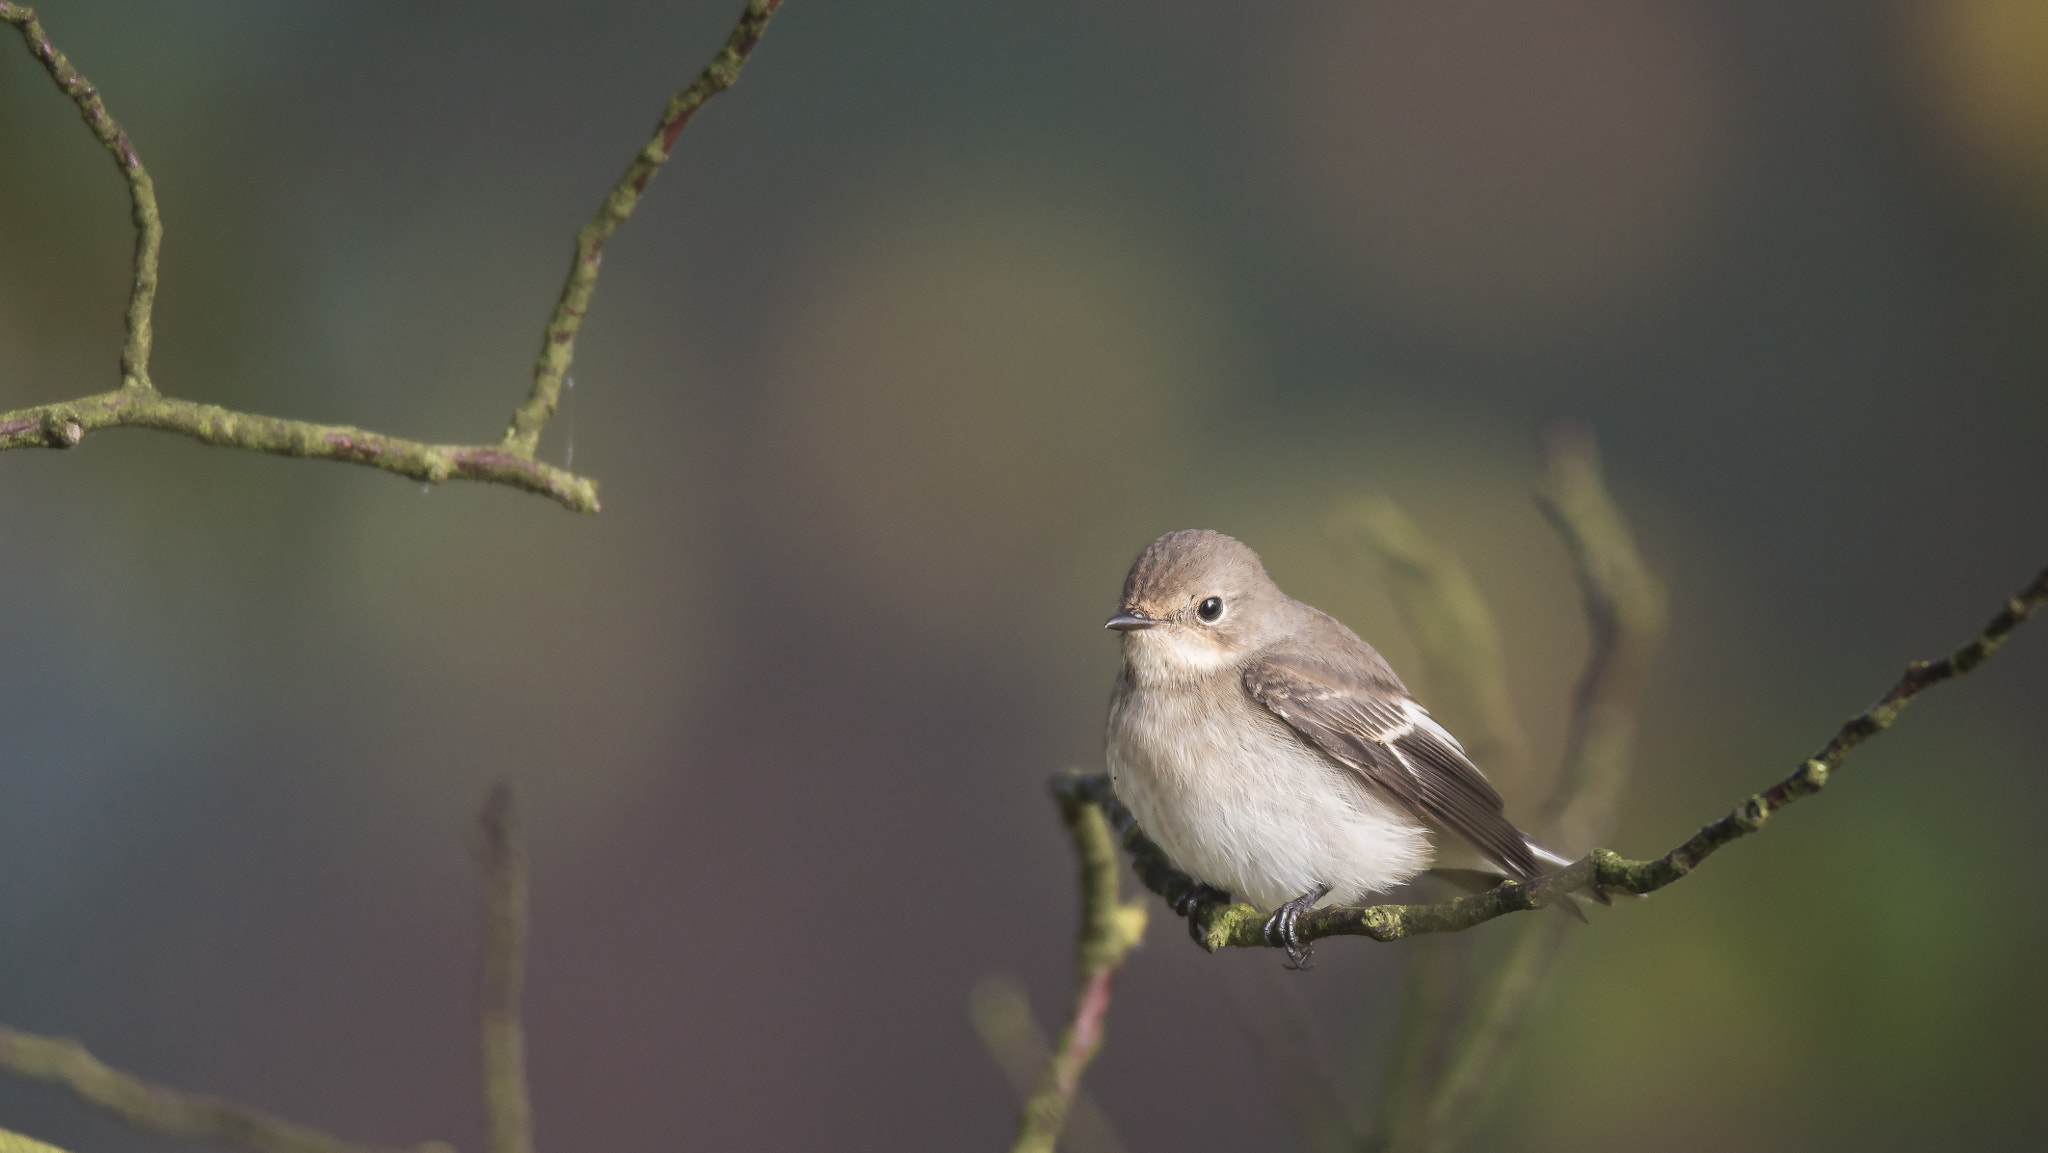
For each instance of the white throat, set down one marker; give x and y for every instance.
(1169, 655)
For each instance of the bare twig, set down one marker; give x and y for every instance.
(512, 462)
(155, 1109)
(1110, 928)
(1002, 1017)
(502, 859)
(558, 342)
(1241, 925)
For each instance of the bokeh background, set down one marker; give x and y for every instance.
(931, 324)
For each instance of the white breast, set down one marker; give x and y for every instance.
(1238, 800)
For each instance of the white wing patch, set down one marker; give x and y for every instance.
(1418, 717)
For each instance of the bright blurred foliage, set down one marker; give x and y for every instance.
(933, 322)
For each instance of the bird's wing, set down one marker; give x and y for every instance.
(1376, 728)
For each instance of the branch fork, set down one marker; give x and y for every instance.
(512, 462)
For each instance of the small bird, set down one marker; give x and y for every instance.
(1272, 753)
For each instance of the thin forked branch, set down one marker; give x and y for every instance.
(512, 462)
(1600, 871)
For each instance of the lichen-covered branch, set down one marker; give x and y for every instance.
(502, 860)
(511, 462)
(1601, 870)
(1110, 928)
(63, 425)
(558, 342)
(155, 1109)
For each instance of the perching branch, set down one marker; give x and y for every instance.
(155, 1109)
(1600, 871)
(502, 860)
(512, 462)
(1110, 927)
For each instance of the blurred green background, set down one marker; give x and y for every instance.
(930, 325)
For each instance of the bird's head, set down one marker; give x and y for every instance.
(1196, 601)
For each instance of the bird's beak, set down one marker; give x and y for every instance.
(1125, 622)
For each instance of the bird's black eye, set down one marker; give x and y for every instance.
(1210, 609)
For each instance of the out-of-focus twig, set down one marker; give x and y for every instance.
(1293, 1059)
(155, 1109)
(1454, 632)
(1110, 928)
(1001, 1014)
(1625, 613)
(12, 1142)
(1466, 681)
(1469, 1076)
(501, 857)
(1625, 617)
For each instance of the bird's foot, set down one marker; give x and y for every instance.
(1197, 895)
(1191, 901)
(1282, 927)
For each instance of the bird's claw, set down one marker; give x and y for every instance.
(1191, 901)
(1197, 895)
(1283, 927)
